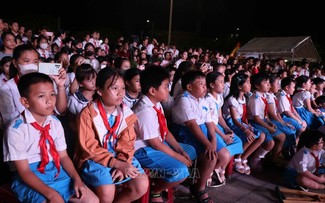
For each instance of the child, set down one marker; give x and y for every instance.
(288, 126)
(25, 60)
(104, 153)
(172, 70)
(41, 174)
(302, 170)
(229, 74)
(235, 113)
(320, 101)
(86, 78)
(229, 143)
(4, 69)
(193, 121)
(301, 102)
(258, 118)
(156, 146)
(133, 87)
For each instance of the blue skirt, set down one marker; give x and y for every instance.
(162, 165)
(239, 132)
(95, 174)
(268, 136)
(62, 184)
(236, 147)
(312, 121)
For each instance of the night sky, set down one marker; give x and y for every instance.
(209, 18)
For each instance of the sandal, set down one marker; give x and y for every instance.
(198, 195)
(239, 166)
(246, 167)
(155, 195)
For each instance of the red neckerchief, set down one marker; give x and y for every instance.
(244, 116)
(16, 78)
(162, 123)
(317, 162)
(45, 135)
(110, 130)
(290, 101)
(266, 106)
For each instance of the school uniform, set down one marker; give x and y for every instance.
(3, 79)
(287, 130)
(303, 160)
(187, 107)
(148, 127)
(257, 106)
(239, 105)
(130, 101)
(22, 141)
(215, 105)
(76, 102)
(298, 99)
(43, 53)
(226, 90)
(99, 147)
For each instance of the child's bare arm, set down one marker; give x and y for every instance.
(260, 122)
(34, 182)
(318, 179)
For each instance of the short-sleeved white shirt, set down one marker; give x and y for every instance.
(272, 100)
(75, 104)
(237, 104)
(299, 98)
(3, 79)
(187, 107)
(256, 105)
(214, 105)
(283, 102)
(303, 160)
(21, 139)
(147, 126)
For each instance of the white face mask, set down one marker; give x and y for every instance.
(43, 45)
(28, 68)
(102, 66)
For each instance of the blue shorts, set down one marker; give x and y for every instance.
(95, 174)
(240, 132)
(268, 136)
(164, 166)
(62, 184)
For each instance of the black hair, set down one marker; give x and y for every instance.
(237, 80)
(318, 81)
(320, 100)
(229, 72)
(183, 67)
(286, 82)
(301, 80)
(29, 79)
(211, 78)
(130, 73)
(152, 76)
(309, 138)
(5, 60)
(258, 78)
(273, 77)
(190, 76)
(85, 71)
(104, 75)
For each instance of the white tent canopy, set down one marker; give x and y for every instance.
(290, 48)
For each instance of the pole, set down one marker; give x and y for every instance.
(170, 21)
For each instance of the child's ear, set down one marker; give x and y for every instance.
(24, 102)
(152, 91)
(189, 87)
(99, 92)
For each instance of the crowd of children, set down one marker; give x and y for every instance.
(96, 126)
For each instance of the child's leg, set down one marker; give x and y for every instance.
(309, 183)
(105, 193)
(279, 141)
(135, 188)
(90, 197)
(223, 160)
(249, 148)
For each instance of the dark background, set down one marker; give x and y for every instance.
(210, 23)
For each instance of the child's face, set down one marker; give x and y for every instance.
(198, 88)
(27, 62)
(113, 95)
(320, 144)
(307, 85)
(264, 86)
(219, 84)
(134, 84)
(162, 93)
(246, 86)
(5, 68)
(291, 88)
(89, 84)
(275, 86)
(41, 100)
(171, 73)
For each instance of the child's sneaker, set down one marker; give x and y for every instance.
(303, 188)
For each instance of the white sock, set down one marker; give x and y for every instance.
(260, 153)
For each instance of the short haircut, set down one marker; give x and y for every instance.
(258, 78)
(152, 76)
(286, 82)
(309, 138)
(320, 100)
(130, 73)
(190, 77)
(30, 79)
(318, 81)
(85, 71)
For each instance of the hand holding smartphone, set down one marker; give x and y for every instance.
(49, 68)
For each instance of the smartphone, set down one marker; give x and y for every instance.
(49, 68)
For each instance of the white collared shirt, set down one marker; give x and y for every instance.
(256, 105)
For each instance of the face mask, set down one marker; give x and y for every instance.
(28, 68)
(43, 45)
(102, 66)
(79, 51)
(89, 53)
